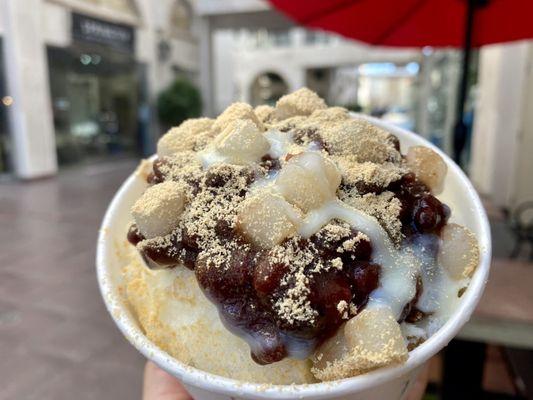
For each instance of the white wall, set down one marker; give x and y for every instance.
(498, 144)
(224, 67)
(183, 49)
(56, 23)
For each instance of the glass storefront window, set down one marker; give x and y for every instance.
(419, 95)
(95, 98)
(444, 74)
(385, 90)
(441, 102)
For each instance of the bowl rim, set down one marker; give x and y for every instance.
(219, 384)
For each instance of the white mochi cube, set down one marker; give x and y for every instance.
(157, 212)
(458, 252)
(428, 166)
(235, 112)
(372, 339)
(375, 338)
(242, 143)
(332, 350)
(264, 112)
(301, 102)
(308, 180)
(184, 137)
(267, 219)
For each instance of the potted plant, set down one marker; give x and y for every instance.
(180, 101)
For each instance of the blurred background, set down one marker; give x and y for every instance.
(88, 86)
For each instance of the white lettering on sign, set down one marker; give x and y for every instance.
(93, 28)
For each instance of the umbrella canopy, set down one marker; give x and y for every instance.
(415, 23)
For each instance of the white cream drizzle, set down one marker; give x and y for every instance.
(399, 270)
(440, 295)
(399, 267)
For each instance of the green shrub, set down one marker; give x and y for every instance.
(180, 101)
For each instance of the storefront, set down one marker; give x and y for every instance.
(97, 92)
(81, 79)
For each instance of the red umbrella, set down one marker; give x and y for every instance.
(415, 23)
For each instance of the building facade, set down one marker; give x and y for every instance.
(413, 88)
(80, 77)
(264, 49)
(79, 81)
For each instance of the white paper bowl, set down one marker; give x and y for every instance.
(385, 383)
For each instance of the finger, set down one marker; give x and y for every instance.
(159, 385)
(419, 387)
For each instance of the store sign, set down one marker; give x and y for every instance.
(117, 36)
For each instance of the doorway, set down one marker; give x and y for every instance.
(96, 93)
(267, 88)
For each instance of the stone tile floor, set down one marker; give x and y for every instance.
(56, 338)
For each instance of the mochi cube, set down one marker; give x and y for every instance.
(233, 113)
(184, 137)
(331, 351)
(458, 252)
(266, 219)
(428, 166)
(308, 180)
(157, 212)
(370, 340)
(375, 339)
(301, 102)
(264, 112)
(242, 142)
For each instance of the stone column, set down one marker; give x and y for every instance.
(146, 52)
(30, 115)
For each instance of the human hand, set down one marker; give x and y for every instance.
(159, 385)
(419, 387)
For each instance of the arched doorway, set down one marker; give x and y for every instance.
(267, 88)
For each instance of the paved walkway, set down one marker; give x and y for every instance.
(56, 339)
